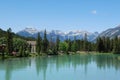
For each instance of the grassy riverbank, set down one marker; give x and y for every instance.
(59, 53)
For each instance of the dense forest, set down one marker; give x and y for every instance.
(15, 45)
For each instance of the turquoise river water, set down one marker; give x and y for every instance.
(67, 67)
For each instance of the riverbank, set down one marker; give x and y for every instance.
(59, 53)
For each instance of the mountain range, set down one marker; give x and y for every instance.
(111, 32)
(32, 32)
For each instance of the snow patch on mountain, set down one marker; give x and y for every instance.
(31, 32)
(112, 32)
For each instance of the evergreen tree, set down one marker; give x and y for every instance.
(20, 51)
(85, 42)
(57, 43)
(38, 43)
(69, 45)
(111, 45)
(78, 44)
(45, 43)
(81, 45)
(74, 45)
(100, 45)
(51, 44)
(107, 44)
(9, 41)
(116, 45)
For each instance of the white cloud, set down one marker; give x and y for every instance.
(94, 12)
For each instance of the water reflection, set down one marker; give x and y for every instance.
(11, 65)
(107, 61)
(45, 65)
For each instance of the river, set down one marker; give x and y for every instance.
(66, 67)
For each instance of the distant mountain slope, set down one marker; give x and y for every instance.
(31, 32)
(112, 32)
(4, 33)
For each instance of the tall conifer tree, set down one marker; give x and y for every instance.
(38, 43)
(9, 41)
(45, 43)
(57, 43)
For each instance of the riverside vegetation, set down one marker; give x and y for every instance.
(12, 45)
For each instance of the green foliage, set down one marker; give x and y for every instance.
(63, 46)
(85, 43)
(9, 38)
(45, 43)
(23, 52)
(17, 43)
(3, 40)
(74, 45)
(6, 37)
(4, 33)
(53, 47)
(105, 44)
(57, 43)
(52, 51)
(38, 44)
(116, 45)
(100, 45)
(69, 45)
(13, 44)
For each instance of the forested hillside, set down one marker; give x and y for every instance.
(4, 33)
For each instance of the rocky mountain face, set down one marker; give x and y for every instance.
(112, 32)
(31, 32)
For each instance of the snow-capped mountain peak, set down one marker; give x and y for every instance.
(31, 30)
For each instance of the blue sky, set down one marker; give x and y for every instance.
(64, 15)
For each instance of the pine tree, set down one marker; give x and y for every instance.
(45, 43)
(57, 43)
(74, 45)
(107, 44)
(51, 43)
(38, 44)
(9, 41)
(116, 45)
(78, 44)
(85, 42)
(21, 51)
(69, 45)
(100, 45)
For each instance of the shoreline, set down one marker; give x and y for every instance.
(59, 53)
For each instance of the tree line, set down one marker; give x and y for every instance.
(101, 45)
(20, 47)
(13, 45)
(107, 45)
